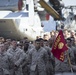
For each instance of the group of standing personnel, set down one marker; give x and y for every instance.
(35, 58)
(24, 58)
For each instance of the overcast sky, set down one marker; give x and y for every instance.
(69, 2)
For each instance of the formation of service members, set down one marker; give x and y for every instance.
(35, 58)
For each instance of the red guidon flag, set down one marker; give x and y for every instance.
(59, 46)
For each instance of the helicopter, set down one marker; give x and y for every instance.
(22, 18)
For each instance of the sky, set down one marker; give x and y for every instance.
(50, 25)
(69, 2)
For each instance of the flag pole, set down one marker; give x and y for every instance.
(69, 62)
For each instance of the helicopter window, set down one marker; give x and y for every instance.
(26, 29)
(27, 6)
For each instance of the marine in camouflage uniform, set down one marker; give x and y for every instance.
(17, 57)
(64, 68)
(50, 68)
(4, 61)
(38, 59)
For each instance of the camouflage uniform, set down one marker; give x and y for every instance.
(24, 65)
(38, 61)
(74, 68)
(50, 68)
(4, 64)
(64, 68)
(17, 57)
(74, 49)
